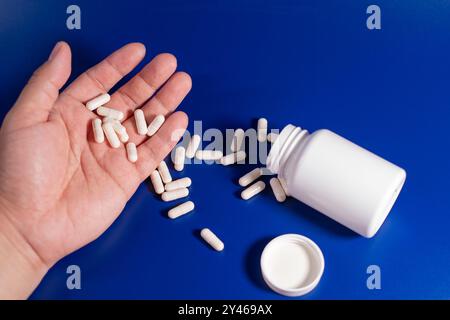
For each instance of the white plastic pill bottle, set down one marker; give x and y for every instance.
(336, 177)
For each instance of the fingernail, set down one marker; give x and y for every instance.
(55, 50)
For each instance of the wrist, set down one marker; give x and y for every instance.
(21, 267)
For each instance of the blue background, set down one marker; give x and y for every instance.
(311, 63)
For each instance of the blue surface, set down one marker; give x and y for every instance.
(311, 63)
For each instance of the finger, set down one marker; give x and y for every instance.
(103, 76)
(142, 86)
(39, 95)
(166, 100)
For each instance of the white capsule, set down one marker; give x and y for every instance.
(109, 119)
(253, 190)
(251, 176)
(121, 131)
(164, 172)
(262, 129)
(98, 101)
(98, 131)
(178, 161)
(158, 185)
(277, 190)
(238, 138)
(232, 158)
(209, 154)
(193, 146)
(212, 239)
(111, 135)
(155, 125)
(175, 194)
(110, 113)
(181, 209)
(141, 124)
(179, 184)
(271, 137)
(132, 152)
(283, 185)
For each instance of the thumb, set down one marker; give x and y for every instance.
(42, 90)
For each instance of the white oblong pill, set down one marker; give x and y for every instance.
(212, 239)
(157, 183)
(99, 136)
(253, 190)
(262, 129)
(155, 125)
(249, 177)
(271, 137)
(209, 154)
(238, 138)
(181, 209)
(233, 158)
(110, 113)
(175, 194)
(277, 189)
(98, 101)
(111, 135)
(164, 172)
(121, 131)
(132, 152)
(178, 184)
(193, 146)
(178, 162)
(141, 124)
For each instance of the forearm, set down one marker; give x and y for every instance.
(21, 269)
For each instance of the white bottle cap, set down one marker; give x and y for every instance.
(292, 265)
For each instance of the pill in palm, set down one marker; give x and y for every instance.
(110, 113)
(157, 183)
(253, 190)
(209, 154)
(180, 154)
(193, 146)
(98, 101)
(181, 209)
(178, 184)
(262, 129)
(155, 125)
(248, 178)
(99, 136)
(121, 131)
(132, 152)
(164, 172)
(233, 158)
(141, 124)
(212, 239)
(111, 134)
(238, 138)
(175, 194)
(277, 189)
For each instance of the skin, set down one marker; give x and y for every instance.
(60, 189)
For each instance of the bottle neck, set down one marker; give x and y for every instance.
(288, 140)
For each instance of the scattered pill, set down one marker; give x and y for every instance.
(175, 194)
(110, 113)
(181, 209)
(141, 124)
(155, 125)
(99, 136)
(233, 158)
(262, 129)
(180, 154)
(271, 137)
(253, 190)
(277, 190)
(283, 185)
(164, 172)
(132, 152)
(121, 131)
(158, 185)
(111, 135)
(212, 239)
(179, 184)
(248, 178)
(193, 146)
(98, 101)
(238, 138)
(209, 154)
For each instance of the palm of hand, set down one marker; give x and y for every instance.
(60, 188)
